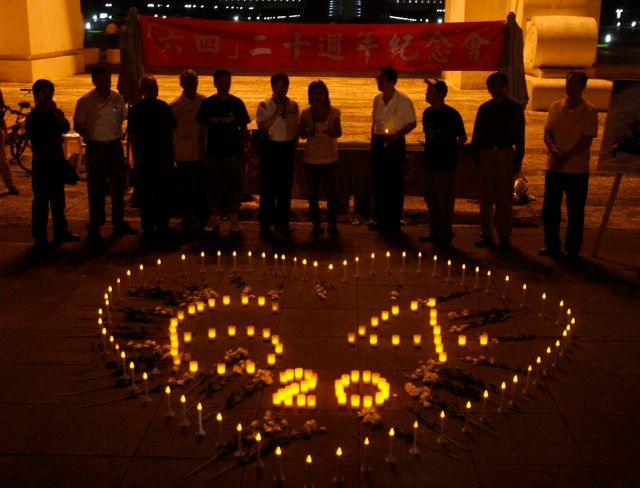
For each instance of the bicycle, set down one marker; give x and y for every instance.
(16, 138)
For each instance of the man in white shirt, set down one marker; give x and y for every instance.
(572, 124)
(98, 118)
(188, 148)
(393, 118)
(278, 118)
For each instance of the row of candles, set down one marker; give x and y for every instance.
(299, 384)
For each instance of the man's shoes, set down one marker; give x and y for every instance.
(505, 243)
(66, 237)
(124, 229)
(548, 252)
(484, 242)
(428, 239)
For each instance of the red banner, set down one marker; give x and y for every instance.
(195, 43)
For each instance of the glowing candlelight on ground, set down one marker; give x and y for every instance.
(435, 266)
(417, 340)
(226, 300)
(373, 340)
(250, 262)
(304, 270)
(439, 347)
(311, 402)
(145, 382)
(298, 374)
(342, 399)
(244, 300)
(191, 309)
(464, 272)
(275, 338)
(357, 260)
(384, 315)
(485, 397)
(395, 310)
(266, 334)
(250, 367)
(355, 376)
(544, 301)
(437, 330)
(167, 392)
(374, 321)
(123, 356)
(488, 287)
(437, 340)
(200, 306)
(388, 269)
(375, 378)
(560, 307)
(503, 387)
(180, 315)
(315, 271)
(484, 339)
(301, 400)
(395, 340)
(448, 278)
(366, 377)
(441, 438)
(141, 268)
(379, 398)
(414, 305)
(462, 340)
(442, 357)
(279, 349)
(512, 402)
(351, 338)
(264, 263)
(221, 368)
(183, 401)
(390, 457)
(465, 427)
(251, 330)
(344, 271)
(362, 330)
(239, 452)
(262, 301)
(187, 336)
(193, 366)
(259, 463)
(275, 307)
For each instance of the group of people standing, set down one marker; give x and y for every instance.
(197, 143)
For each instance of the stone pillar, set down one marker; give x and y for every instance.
(40, 39)
(473, 11)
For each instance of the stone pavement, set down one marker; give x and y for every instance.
(580, 427)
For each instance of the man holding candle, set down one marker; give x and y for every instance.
(444, 135)
(393, 118)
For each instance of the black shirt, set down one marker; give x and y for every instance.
(152, 122)
(45, 131)
(224, 138)
(442, 127)
(500, 125)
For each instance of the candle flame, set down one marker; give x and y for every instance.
(485, 395)
(145, 376)
(315, 264)
(373, 255)
(448, 262)
(239, 427)
(264, 255)
(442, 415)
(219, 417)
(529, 369)
(304, 261)
(464, 266)
(118, 280)
(557, 343)
(506, 278)
(538, 360)
(515, 378)
(548, 350)
(366, 441)
(357, 259)
(141, 267)
(468, 405)
(330, 267)
(159, 261)
(123, 355)
(219, 253)
(131, 365)
(308, 460)
(167, 390)
(503, 385)
(199, 407)
(278, 451)
(183, 257)
(201, 254)
(258, 437)
(524, 287)
(489, 273)
(183, 399)
(562, 303)
(435, 258)
(344, 263)
(104, 331)
(249, 254)
(415, 424)
(392, 432)
(339, 452)
(128, 272)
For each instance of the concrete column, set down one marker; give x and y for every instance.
(473, 11)
(40, 39)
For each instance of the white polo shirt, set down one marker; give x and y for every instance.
(568, 126)
(283, 128)
(394, 115)
(98, 119)
(186, 135)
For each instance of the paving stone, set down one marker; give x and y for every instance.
(534, 476)
(607, 440)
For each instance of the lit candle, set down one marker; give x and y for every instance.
(141, 268)
(311, 402)
(373, 340)
(250, 262)
(261, 301)
(441, 438)
(462, 340)
(357, 260)
(395, 310)
(264, 263)
(439, 347)
(132, 367)
(560, 307)
(275, 307)
(355, 376)
(167, 392)
(200, 431)
(129, 279)
(301, 400)
(388, 269)
(259, 463)
(414, 447)
(362, 330)
(365, 466)
(251, 330)
(373, 260)
(435, 266)
(344, 271)
(375, 378)
(464, 272)
(417, 340)
(465, 427)
(275, 338)
(239, 452)
(404, 259)
(187, 336)
(298, 374)
(476, 284)
(448, 278)
(183, 260)
(557, 351)
(219, 261)
(244, 300)
(234, 255)
(437, 330)
(384, 315)
(395, 340)
(484, 339)
(488, 287)
(351, 338)
(202, 271)
(118, 289)
(485, 397)
(145, 381)
(315, 271)
(193, 366)
(374, 321)
(506, 287)
(279, 477)
(221, 435)
(330, 275)
(123, 356)
(544, 301)
(568, 316)
(503, 387)
(442, 357)
(104, 338)
(547, 361)
(390, 457)
(180, 315)
(308, 462)
(338, 479)
(250, 367)
(414, 306)
(191, 309)
(538, 364)
(342, 399)
(279, 348)
(226, 300)
(221, 368)
(528, 381)
(183, 401)
(266, 334)
(304, 270)
(512, 402)
(524, 296)
(275, 264)
(379, 398)
(419, 270)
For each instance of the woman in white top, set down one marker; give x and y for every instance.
(320, 125)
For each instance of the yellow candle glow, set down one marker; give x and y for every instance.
(395, 310)
(462, 340)
(191, 309)
(301, 400)
(346, 380)
(439, 348)
(200, 306)
(342, 399)
(279, 348)
(298, 374)
(351, 337)
(375, 321)
(484, 339)
(250, 366)
(276, 398)
(355, 401)
(311, 402)
(304, 386)
(395, 340)
(221, 368)
(180, 315)
(173, 322)
(244, 300)
(384, 315)
(231, 330)
(355, 376)
(379, 398)
(177, 360)
(266, 334)
(414, 305)
(362, 330)
(288, 401)
(375, 378)
(431, 302)
(367, 401)
(193, 366)
(373, 340)
(226, 300)
(261, 301)
(275, 338)
(275, 307)
(211, 303)
(312, 381)
(417, 340)
(366, 377)
(437, 339)
(271, 359)
(442, 357)
(437, 330)
(187, 337)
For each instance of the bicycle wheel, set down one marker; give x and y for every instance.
(21, 152)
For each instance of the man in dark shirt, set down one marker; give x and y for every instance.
(444, 134)
(498, 145)
(224, 119)
(45, 125)
(151, 125)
